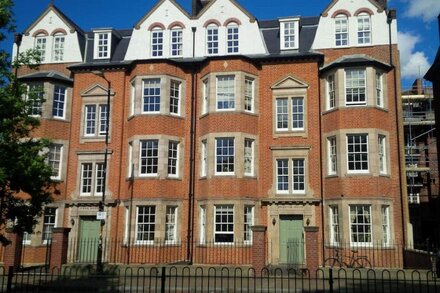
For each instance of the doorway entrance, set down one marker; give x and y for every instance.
(89, 230)
(291, 239)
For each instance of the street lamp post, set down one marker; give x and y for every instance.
(99, 266)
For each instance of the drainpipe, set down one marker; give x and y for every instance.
(190, 229)
(391, 15)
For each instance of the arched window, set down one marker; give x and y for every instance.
(157, 42)
(58, 47)
(176, 41)
(212, 39)
(232, 38)
(40, 45)
(364, 28)
(341, 30)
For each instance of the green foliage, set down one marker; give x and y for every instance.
(25, 183)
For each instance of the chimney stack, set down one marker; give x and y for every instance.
(198, 5)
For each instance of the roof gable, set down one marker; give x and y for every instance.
(235, 3)
(96, 90)
(156, 7)
(289, 82)
(334, 2)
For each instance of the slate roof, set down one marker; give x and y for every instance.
(356, 60)
(51, 75)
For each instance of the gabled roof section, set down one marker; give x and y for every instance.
(247, 13)
(289, 82)
(380, 8)
(46, 75)
(96, 90)
(356, 61)
(155, 7)
(72, 25)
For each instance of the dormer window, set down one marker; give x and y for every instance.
(364, 29)
(232, 35)
(102, 45)
(176, 41)
(40, 45)
(212, 39)
(289, 33)
(341, 30)
(157, 42)
(58, 47)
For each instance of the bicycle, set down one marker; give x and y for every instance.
(354, 261)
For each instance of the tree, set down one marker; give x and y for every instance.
(25, 176)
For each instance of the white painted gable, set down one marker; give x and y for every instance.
(250, 39)
(51, 22)
(325, 35)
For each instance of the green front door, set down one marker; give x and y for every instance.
(291, 240)
(89, 229)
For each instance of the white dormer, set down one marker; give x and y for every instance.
(289, 33)
(102, 43)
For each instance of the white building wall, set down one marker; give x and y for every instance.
(250, 40)
(51, 22)
(325, 35)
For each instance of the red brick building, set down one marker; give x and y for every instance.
(224, 130)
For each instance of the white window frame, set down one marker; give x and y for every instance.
(283, 166)
(157, 34)
(204, 159)
(217, 157)
(298, 113)
(133, 98)
(332, 157)
(36, 106)
(212, 39)
(41, 46)
(293, 113)
(225, 93)
(58, 47)
(130, 160)
(56, 158)
(205, 102)
(414, 197)
(379, 90)
(152, 84)
(27, 238)
(248, 220)
(298, 175)
(202, 226)
(249, 94)
(335, 228)
(99, 120)
(282, 103)
(232, 38)
(89, 178)
(99, 178)
(249, 156)
(127, 224)
(94, 178)
(102, 48)
(58, 92)
(382, 154)
(176, 47)
(364, 29)
(146, 158)
(173, 158)
(362, 153)
(52, 225)
(386, 227)
(152, 211)
(331, 92)
(175, 94)
(341, 31)
(224, 210)
(171, 224)
(289, 34)
(368, 226)
(353, 85)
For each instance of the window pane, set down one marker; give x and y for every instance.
(48, 223)
(282, 175)
(145, 226)
(282, 114)
(360, 222)
(232, 42)
(357, 152)
(58, 48)
(90, 123)
(225, 155)
(212, 39)
(173, 153)
(298, 113)
(170, 224)
(54, 158)
(149, 156)
(341, 30)
(86, 178)
(355, 87)
(157, 43)
(224, 224)
(298, 175)
(225, 92)
(174, 97)
(59, 98)
(176, 42)
(151, 95)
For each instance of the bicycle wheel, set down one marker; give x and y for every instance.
(332, 262)
(361, 262)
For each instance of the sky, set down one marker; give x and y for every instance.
(418, 27)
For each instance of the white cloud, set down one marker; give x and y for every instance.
(414, 64)
(426, 9)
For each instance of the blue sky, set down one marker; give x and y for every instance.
(417, 21)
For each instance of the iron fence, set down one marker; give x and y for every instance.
(216, 279)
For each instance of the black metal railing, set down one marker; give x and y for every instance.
(217, 279)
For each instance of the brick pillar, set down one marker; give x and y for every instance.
(12, 253)
(258, 248)
(312, 249)
(58, 248)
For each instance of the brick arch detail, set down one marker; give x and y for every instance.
(341, 11)
(366, 10)
(40, 32)
(176, 23)
(232, 19)
(58, 30)
(156, 24)
(214, 21)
